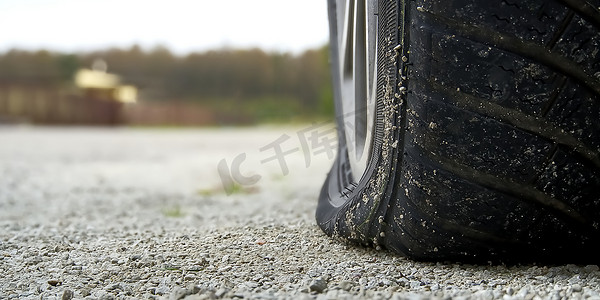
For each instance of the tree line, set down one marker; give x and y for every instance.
(267, 84)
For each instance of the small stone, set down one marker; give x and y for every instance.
(67, 295)
(240, 293)
(591, 268)
(203, 262)
(251, 284)
(318, 285)
(135, 257)
(194, 289)
(220, 293)
(189, 277)
(510, 291)
(179, 293)
(195, 268)
(161, 290)
(576, 288)
(106, 296)
(346, 285)
(198, 297)
(54, 282)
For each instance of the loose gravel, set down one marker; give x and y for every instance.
(90, 213)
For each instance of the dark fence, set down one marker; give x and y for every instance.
(42, 104)
(45, 104)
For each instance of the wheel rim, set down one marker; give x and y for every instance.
(357, 43)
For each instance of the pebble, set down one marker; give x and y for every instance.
(179, 293)
(189, 277)
(113, 287)
(220, 293)
(67, 295)
(198, 297)
(162, 290)
(318, 285)
(54, 282)
(346, 285)
(591, 268)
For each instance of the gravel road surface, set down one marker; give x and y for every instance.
(91, 213)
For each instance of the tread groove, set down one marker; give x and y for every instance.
(561, 30)
(517, 46)
(508, 187)
(517, 119)
(401, 116)
(554, 96)
(586, 10)
(451, 226)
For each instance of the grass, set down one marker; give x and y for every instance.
(173, 212)
(234, 189)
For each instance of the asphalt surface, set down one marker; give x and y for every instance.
(117, 213)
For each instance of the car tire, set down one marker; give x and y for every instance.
(482, 138)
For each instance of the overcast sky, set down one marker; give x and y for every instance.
(181, 25)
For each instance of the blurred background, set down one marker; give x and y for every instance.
(164, 63)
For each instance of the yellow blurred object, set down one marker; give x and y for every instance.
(102, 83)
(126, 94)
(91, 79)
